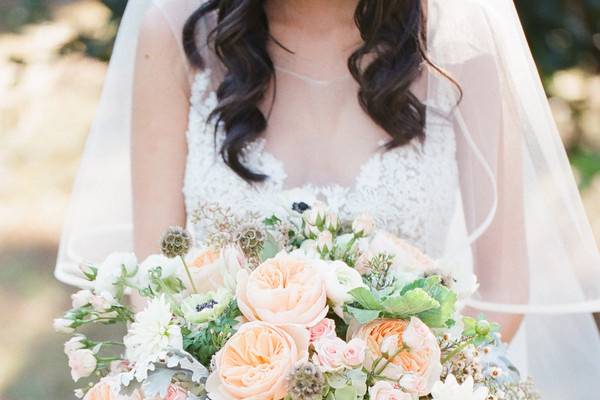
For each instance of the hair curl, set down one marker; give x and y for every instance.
(393, 34)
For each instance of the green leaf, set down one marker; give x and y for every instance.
(409, 304)
(439, 316)
(366, 299)
(270, 248)
(345, 393)
(271, 221)
(363, 316)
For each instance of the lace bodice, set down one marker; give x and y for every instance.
(409, 190)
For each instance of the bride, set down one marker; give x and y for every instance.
(428, 114)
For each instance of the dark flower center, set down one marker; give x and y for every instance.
(300, 207)
(208, 304)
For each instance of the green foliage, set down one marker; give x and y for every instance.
(425, 298)
(204, 343)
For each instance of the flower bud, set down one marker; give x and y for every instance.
(363, 225)
(316, 215)
(483, 327)
(324, 241)
(63, 325)
(332, 222)
(81, 298)
(389, 345)
(311, 231)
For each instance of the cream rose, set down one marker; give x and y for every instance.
(255, 362)
(283, 290)
(212, 269)
(82, 362)
(339, 279)
(407, 258)
(415, 362)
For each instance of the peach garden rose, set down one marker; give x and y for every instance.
(213, 269)
(283, 290)
(255, 362)
(414, 360)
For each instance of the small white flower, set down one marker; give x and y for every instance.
(324, 241)
(463, 281)
(111, 269)
(153, 332)
(79, 393)
(340, 279)
(452, 390)
(102, 302)
(82, 363)
(496, 372)
(363, 225)
(73, 344)
(81, 298)
(63, 325)
(201, 308)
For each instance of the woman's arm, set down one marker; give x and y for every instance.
(500, 254)
(159, 122)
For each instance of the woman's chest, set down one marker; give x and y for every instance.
(410, 190)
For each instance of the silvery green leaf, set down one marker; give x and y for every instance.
(363, 316)
(336, 380)
(157, 383)
(345, 393)
(270, 248)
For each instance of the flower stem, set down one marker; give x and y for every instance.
(457, 350)
(189, 274)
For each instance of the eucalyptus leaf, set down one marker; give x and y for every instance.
(363, 316)
(269, 249)
(157, 383)
(346, 393)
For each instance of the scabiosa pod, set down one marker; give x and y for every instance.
(306, 382)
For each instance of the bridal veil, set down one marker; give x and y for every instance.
(521, 226)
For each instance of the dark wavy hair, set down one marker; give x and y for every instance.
(394, 38)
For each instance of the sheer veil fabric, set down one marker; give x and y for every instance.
(520, 225)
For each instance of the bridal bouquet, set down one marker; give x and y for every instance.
(300, 305)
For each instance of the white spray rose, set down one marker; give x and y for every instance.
(82, 363)
(81, 298)
(340, 279)
(63, 325)
(111, 269)
(73, 344)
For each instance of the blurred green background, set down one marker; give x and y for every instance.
(53, 57)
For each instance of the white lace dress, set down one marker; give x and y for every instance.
(409, 190)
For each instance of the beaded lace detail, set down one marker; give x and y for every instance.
(410, 190)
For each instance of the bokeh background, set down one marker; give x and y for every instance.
(53, 56)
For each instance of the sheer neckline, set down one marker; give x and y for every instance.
(258, 147)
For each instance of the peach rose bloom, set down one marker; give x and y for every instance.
(255, 362)
(406, 256)
(104, 390)
(283, 290)
(384, 390)
(416, 362)
(213, 269)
